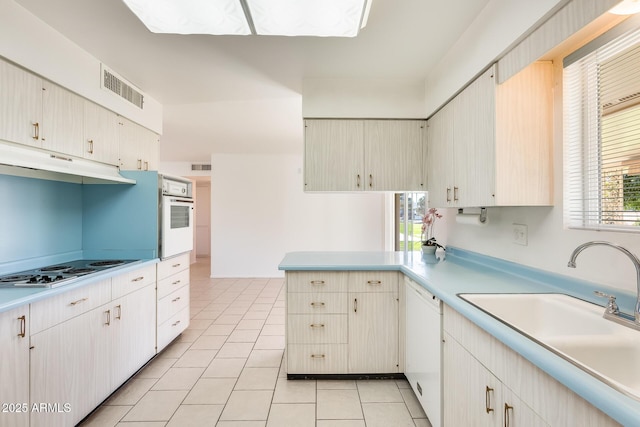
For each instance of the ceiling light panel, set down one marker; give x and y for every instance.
(627, 7)
(191, 16)
(325, 18)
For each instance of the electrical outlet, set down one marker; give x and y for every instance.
(520, 234)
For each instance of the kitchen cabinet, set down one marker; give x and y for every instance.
(363, 155)
(20, 105)
(492, 144)
(138, 146)
(100, 142)
(480, 372)
(14, 369)
(172, 299)
(62, 120)
(335, 321)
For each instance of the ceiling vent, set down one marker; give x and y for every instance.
(116, 84)
(200, 167)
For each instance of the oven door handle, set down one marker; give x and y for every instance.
(190, 201)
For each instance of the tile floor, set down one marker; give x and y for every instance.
(226, 370)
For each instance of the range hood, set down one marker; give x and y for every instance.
(20, 160)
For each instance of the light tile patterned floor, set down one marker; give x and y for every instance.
(226, 370)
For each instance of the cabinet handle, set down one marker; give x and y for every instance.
(119, 316)
(455, 194)
(374, 282)
(317, 356)
(76, 302)
(146, 165)
(317, 325)
(175, 299)
(91, 146)
(448, 194)
(176, 324)
(317, 282)
(108, 313)
(370, 181)
(137, 279)
(355, 305)
(139, 164)
(176, 282)
(36, 131)
(23, 326)
(487, 399)
(317, 304)
(175, 265)
(507, 410)
(358, 181)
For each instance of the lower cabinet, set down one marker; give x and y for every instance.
(172, 299)
(342, 322)
(14, 367)
(488, 384)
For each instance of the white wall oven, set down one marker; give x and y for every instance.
(176, 216)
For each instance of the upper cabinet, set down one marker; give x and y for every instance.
(357, 155)
(492, 144)
(138, 146)
(62, 120)
(100, 134)
(20, 105)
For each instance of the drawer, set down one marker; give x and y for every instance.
(317, 329)
(172, 283)
(317, 281)
(316, 302)
(62, 307)
(126, 283)
(373, 281)
(171, 266)
(173, 303)
(317, 359)
(173, 327)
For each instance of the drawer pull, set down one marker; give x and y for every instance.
(487, 399)
(507, 410)
(175, 299)
(317, 282)
(76, 302)
(317, 356)
(317, 325)
(176, 324)
(108, 313)
(176, 282)
(175, 265)
(355, 305)
(119, 316)
(317, 304)
(374, 282)
(137, 279)
(23, 326)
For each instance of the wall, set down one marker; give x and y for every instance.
(38, 219)
(259, 212)
(549, 242)
(29, 42)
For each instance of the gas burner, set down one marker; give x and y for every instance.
(14, 279)
(107, 263)
(54, 268)
(80, 271)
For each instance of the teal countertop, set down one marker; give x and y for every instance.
(11, 298)
(466, 272)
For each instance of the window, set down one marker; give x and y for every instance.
(409, 226)
(602, 136)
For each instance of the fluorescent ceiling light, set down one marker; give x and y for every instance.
(336, 18)
(626, 7)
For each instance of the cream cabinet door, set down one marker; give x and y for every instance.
(393, 155)
(62, 122)
(133, 331)
(151, 150)
(333, 155)
(100, 134)
(130, 145)
(69, 369)
(14, 367)
(474, 143)
(373, 332)
(20, 105)
(440, 157)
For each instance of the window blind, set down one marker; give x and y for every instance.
(602, 137)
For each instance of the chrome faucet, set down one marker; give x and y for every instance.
(632, 257)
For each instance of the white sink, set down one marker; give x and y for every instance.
(575, 330)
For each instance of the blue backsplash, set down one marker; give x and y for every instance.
(46, 222)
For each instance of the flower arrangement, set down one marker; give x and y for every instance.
(428, 221)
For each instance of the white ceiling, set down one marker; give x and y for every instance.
(237, 94)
